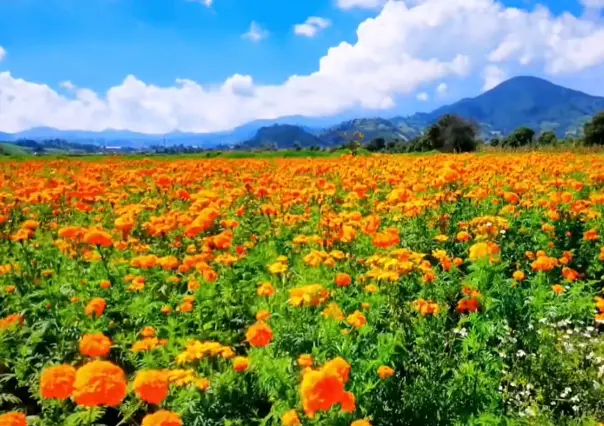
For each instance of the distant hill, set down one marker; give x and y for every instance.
(519, 101)
(281, 136)
(524, 101)
(371, 128)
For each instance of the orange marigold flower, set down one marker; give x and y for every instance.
(343, 280)
(385, 372)
(57, 382)
(519, 276)
(11, 320)
(591, 235)
(360, 423)
(241, 364)
(266, 289)
(99, 383)
(162, 418)
(290, 418)
(356, 319)
(13, 419)
(481, 250)
(152, 386)
(324, 388)
(95, 345)
(558, 289)
(148, 332)
(105, 284)
(463, 237)
(469, 304)
(569, 274)
(426, 307)
(259, 335)
(96, 306)
(305, 360)
(97, 237)
(544, 264)
(263, 315)
(202, 384)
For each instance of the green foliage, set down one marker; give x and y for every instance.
(594, 130)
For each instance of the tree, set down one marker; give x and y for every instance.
(594, 130)
(547, 138)
(521, 137)
(451, 133)
(377, 144)
(495, 142)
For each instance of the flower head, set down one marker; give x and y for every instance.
(99, 383)
(57, 382)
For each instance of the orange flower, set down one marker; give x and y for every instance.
(569, 274)
(357, 319)
(360, 423)
(324, 388)
(343, 280)
(99, 383)
(263, 315)
(259, 335)
(162, 418)
(385, 372)
(482, 250)
(241, 364)
(57, 382)
(519, 276)
(97, 237)
(333, 311)
(96, 306)
(305, 360)
(463, 237)
(266, 289)
(558, 289)
(469, 304)
(13, 419)
(426, 307)
(11, 320)
(95, 345)
(151, 386)
(105, 284)
(544, 264)
(148, 332)
(290, 418)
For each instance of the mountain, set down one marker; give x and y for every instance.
(371, 128)
(524, 101)
(281, 136)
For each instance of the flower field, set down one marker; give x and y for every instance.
(382, 290)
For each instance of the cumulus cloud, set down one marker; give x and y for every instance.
(255, 33)
(2, 53)
(67, 85)
(492, 75)
(311, 26)
(595, 4)
(364, 4)
(442, 88)
(423, 97)
(403, 48)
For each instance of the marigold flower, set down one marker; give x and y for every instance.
(519, 276)
(57, 382)
(162, 418)
(241, 364)
(95, 345)
(357, 319)
(259, 335)
(558, 289)
(263, 315)
(11, 320)
(385, 372)
(13, 419)
(305, 360)
(151, 386)
(463, 237)
(370, 288)
(96, 306)
(99, 238)
(324, 388)
(99, 383)
(468, 304)
(290, 418)
(266, 289)
(343, 280)
(202, 384)
(360, 423)
(148, 332)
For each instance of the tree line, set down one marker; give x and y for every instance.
(455, 134)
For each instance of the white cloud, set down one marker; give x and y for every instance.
(365, 4)
(423, 97)
(255, 33)
(595, 4)
(400, 50)
(2, 53)
(206, 3)
(492, 76)
(67, 85)
(311, 26)
(442, 88)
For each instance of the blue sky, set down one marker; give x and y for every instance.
(96, 44)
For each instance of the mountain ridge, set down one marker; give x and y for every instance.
(522, 101)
